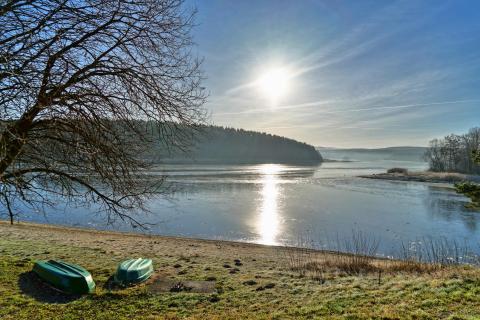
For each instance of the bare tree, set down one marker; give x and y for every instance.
(434, 156)
(82, 84)
(476, 156)
(455, 153)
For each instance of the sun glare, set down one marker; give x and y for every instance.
(274, 83)
(268, 223)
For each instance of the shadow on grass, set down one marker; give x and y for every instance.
(31, 285)
(111, 285)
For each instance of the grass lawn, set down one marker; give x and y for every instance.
(264, 287)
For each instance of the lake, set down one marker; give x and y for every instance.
(292, 205)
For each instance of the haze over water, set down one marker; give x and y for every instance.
(284, 205)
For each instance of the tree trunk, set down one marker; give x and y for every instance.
(14, 138)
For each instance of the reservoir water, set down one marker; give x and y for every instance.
(284, 205)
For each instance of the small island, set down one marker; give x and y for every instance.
(423, 176)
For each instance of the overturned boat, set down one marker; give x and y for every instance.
(133, 271)
(66, 277)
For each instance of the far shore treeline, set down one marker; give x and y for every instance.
(215, 144)
(458, 153)
(455, 153)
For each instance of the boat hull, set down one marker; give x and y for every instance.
(66, 277)
(133, 271)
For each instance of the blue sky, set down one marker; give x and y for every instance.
(362, 73)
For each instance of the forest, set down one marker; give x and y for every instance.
(455, 153)
(215, 144)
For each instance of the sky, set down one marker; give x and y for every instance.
(354, 73)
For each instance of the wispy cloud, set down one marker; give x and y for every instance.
(362, 39)
(279, 108)
(375, 67)
(358, 109)
(402, 106)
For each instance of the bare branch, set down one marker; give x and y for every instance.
(85, 87)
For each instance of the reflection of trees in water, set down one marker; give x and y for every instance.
(450, 207)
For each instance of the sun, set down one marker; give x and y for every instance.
(274, 83)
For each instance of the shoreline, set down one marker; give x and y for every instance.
(447, 179)
(131, 234)
(190, 241)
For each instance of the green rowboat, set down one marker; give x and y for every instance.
(133, 271)
(67, 277)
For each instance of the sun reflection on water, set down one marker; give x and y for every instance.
(268, 221)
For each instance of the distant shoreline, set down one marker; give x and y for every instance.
(238, 162)
(332, 160)
(425, 176)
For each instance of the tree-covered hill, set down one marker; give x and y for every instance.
(214, 144)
